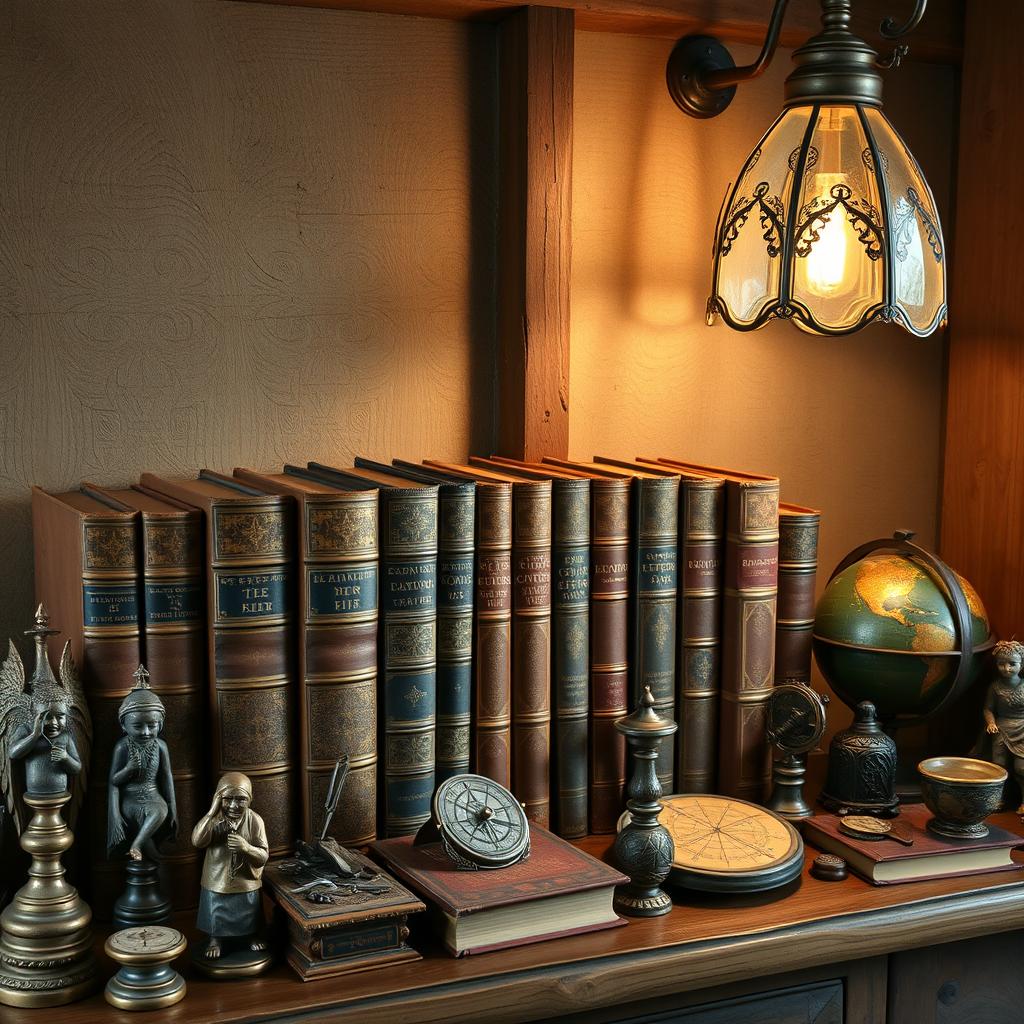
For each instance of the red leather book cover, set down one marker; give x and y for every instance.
(554, 868)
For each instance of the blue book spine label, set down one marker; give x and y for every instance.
(410, 586)
(658, 568)
(174, 604)
(341, 592)
(455, 584)
(110, 604)
(251, 596)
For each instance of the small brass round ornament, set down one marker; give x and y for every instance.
(146, 980)
(829, 868)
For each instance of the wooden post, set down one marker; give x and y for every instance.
(534, 231)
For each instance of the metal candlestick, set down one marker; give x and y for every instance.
(643, 848)
(46, 955)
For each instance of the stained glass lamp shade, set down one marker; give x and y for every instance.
(832, 224)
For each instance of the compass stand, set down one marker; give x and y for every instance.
(46, 956)
(643, 849)
(787, 799)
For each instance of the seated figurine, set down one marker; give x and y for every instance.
(230, 906)
(141, 807)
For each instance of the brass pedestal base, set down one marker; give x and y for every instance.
(238, 963)
(46, 956)
(146, 980)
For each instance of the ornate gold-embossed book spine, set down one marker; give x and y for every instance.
(407, 528)
(87, 576)
(798, 568)
(570, 636)
(492, 619)
(250, 639)
(173, 613)
(748, 622)
(337, 649)
(609, 646)
(531, 635)
(456, 511)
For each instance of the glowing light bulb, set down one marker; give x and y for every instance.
(826, 262)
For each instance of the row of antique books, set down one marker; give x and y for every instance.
(429, 619)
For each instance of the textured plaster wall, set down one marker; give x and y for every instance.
(236, 234)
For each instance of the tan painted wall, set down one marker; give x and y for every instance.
(852, 426)
(235, 233)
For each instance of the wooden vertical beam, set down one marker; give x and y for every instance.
(534, 231)
(982, 533)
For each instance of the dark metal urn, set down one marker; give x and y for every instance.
(643, 848)
(862, 768)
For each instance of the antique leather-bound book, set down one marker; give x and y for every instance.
(87, 577)
(337, 649)
(407, 644)
(609, 644)
(699, 627)
(798, 568)
(492, 621)
(456, 511)
(653, 593)
(173, 617)
(531, 634)
(748, 628)
(250, 639)
(570, 637)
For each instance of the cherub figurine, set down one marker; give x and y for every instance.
(1003, 739)
(45, 730)
(141, 806)
(235, 840)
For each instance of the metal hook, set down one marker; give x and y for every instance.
(891, 29)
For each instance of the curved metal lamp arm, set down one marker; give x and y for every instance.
(891, 29)
(725, 77)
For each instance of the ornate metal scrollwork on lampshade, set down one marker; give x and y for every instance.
(830, 222)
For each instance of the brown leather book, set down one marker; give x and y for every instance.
(558, 890)
(748, 627)
(798, 569)
(87, 577)
(337, 649)
(492, 621)
(698, 625)
(173, 618)
(609, 643)
(570, 637)
(250, 639)
(885, 862)
(531, 634)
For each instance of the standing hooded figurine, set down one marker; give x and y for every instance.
(141, 806)
(230, 902)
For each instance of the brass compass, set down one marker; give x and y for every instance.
(479, 823)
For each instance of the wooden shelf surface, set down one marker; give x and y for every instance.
(704, 941)
(938, 38)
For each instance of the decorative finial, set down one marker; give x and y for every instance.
(141, 677)
(41, 629)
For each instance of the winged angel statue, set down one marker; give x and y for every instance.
(45, 729)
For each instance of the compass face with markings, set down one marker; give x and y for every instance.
(480, 822)
(722, 844)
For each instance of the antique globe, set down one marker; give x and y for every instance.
(896, 626)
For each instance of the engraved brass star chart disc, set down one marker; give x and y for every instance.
(479, 822)
(728, 845)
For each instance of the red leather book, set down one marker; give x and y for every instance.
(172, 614)
(531, 634)
(557, 891)
(886, 862)
(748, 628)
(798, 568)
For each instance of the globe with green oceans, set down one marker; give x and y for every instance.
(884, 632)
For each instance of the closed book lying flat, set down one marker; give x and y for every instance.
(884, 862)
(557, 891)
